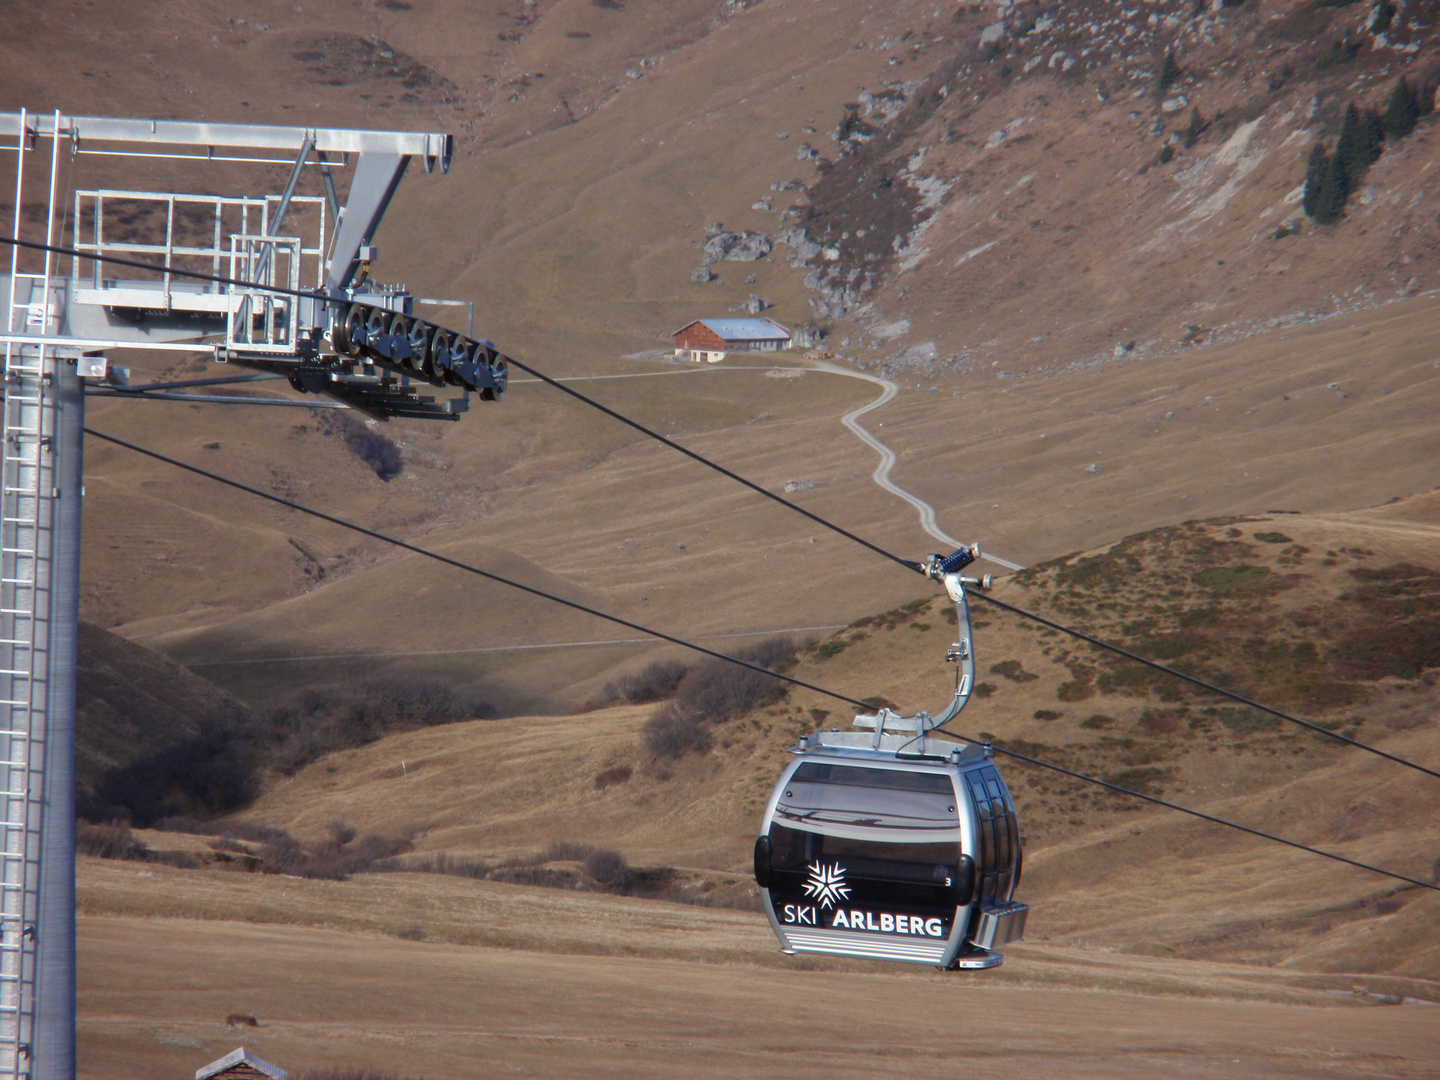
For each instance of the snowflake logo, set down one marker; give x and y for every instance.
(827, 884)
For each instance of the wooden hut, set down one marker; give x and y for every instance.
(240, 1064)
(710, 339)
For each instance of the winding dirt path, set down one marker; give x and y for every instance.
(881, 475)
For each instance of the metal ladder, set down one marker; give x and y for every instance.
(26, 466)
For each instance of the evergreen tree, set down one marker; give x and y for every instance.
(1195, 130)
(1374, 129)
(1334, 190)
(1402, 112)
(1352, 147)
(1169, 72)
(1315, 169)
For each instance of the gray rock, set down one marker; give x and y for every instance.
(799, 485)
(702, 276)
(805, 337)
(996, 138)
(756, 304)
(992, 33)
(806, 152)
(1094, 467)
(742, 247)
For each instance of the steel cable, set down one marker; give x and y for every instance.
(909, 564)
(684, 643)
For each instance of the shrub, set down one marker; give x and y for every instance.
(1098, 722)
(217, 771)
(319, 720)
(371, 447)
(1339, 53)
(115, 841)
(1231, 577)
(1145, 779)
(211, 773)
(609, 868)
(712, 693)
(654, 682)
(615, 774)
(1012, 670)
(1046, 714)
(1074, 691)
(112, 841)
(670, 733)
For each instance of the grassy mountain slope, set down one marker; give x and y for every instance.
(132, 702)
(1282, 618)
(587, 168)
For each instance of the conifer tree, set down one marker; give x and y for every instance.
(1352, 147)
(1315, 169)
(1195, 130)
(1334, 190)
(1169, 72)
(1374, 129)
(1402, 112)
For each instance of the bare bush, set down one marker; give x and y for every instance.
(672, 733)
(371, 447)
(112, 841)
(439, 863)
(562, 851)
(714, 692)
(218, 770)
(609, 868)
(116, 841)
(615, 774)
(319, 720)
(656, 681)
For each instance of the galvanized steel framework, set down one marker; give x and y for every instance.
(56, 329)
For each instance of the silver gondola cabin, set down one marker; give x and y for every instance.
(891, 844)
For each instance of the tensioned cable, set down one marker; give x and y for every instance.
(907, 563)
(220, 279)
(576, 605)
(1196, 681)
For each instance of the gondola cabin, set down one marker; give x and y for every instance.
(891, 845)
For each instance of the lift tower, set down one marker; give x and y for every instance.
(286, 293)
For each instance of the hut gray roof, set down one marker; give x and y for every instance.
(241, 1063)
